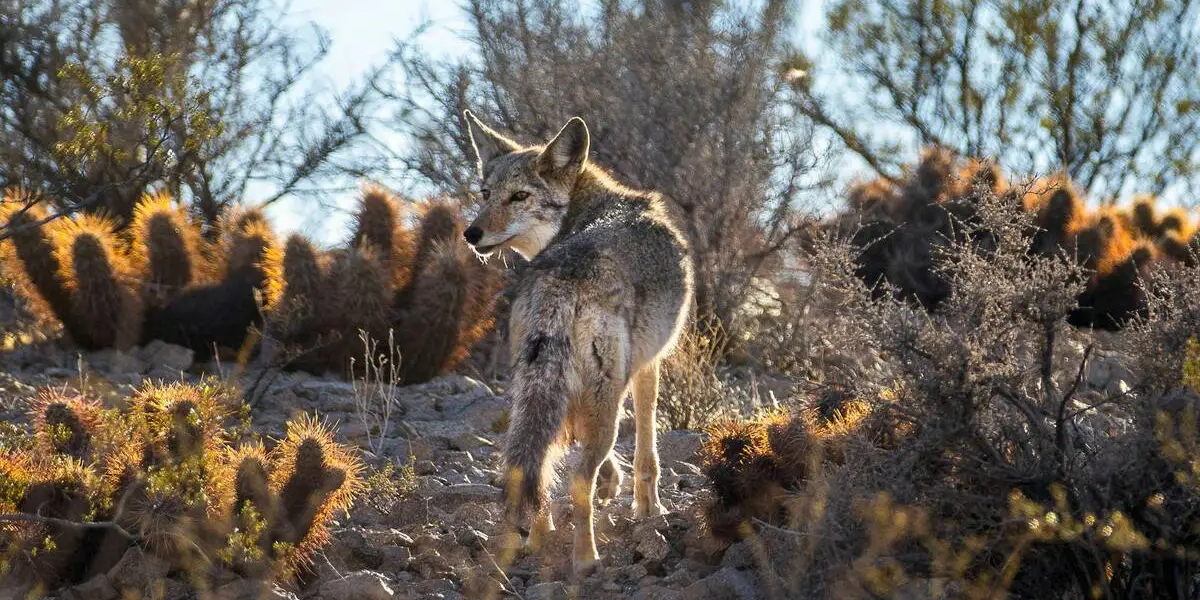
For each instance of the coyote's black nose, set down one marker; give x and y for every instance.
(473, 235)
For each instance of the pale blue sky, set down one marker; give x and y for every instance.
(361, 34)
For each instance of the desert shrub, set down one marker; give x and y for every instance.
(982, 462)
(171, 474)
(691, 392)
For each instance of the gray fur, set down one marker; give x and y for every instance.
(602, 302)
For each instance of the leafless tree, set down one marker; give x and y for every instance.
(684, 97)
(1103, 91)
(99, 100)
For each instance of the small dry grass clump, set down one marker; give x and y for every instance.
(168, 474)
(691, 392)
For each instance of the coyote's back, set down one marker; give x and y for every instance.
(603, 299)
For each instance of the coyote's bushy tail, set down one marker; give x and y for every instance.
(544, 377)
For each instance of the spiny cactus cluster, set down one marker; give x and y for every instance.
(407, 275)
(156, 279)
(900, 231)
(419, 283)
(756, 466)
(166, 476)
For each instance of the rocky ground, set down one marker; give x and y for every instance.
(440, 538)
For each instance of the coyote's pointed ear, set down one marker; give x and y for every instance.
(568, 151)
(486, 143)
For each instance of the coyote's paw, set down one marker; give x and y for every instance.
(584, 567)
(643, 510)
(608, 482)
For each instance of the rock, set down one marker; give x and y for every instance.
(679, 578)
(469, 441)
(412, 510)
(21, 592)
(1111, 373)
(739, 556)
(726, 584)
(633, 573)
(330, 395)
(251, 589)
(364, 585)
(114, 362)
(137, 571)
(472, 513)
(472, 539)
(435, 586)
(451, 497)
(395, 558)
(656, 592)
(399, 538)
(96, 588)
(651, 544)
(356, 551)
(478, 584)
(679, 446)
(702, 547)
(424, 467)
(443, 435)
(490, 418)
(430, 565)
(164, 357)
(553, 590)
(354, 430)
(456, 478)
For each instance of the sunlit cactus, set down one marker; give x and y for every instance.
(167, 248)
(105, 308)
(66, 424)
(314, 479)
(379, 224)
(361, 292)
(30, 257)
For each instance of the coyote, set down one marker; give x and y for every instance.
(602, 302)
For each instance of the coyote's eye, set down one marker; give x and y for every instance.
(486, 193)
(518, 196)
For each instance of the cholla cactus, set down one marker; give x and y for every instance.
(378, 224)
(1058, 212)
(362, 292)
(314, 478)
(29, 257)
(168, 249)
(66, 424)
(1143, 216)
(901, 234)
(176, 483)
(303, 310)
(106, 311)
(754, 466)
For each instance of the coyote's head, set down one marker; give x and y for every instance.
(525, 190)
